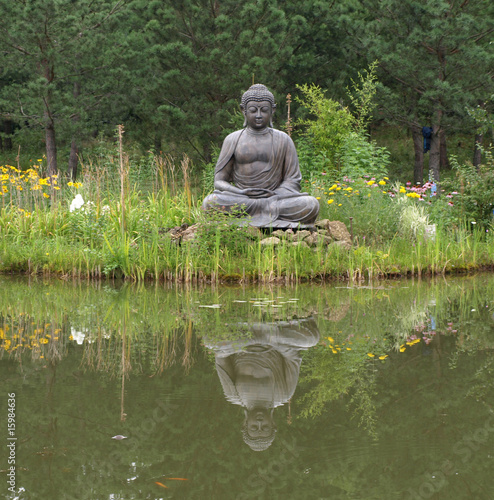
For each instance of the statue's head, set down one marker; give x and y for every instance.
(258, 106)
(259, 429)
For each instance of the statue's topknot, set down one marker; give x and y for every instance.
(258, 92)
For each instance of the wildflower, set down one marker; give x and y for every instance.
(334, 186)
(339, 204)
(46, 195)
(371, 182)
(318, 197)
(40, 160)
(330, 201)
(77, 203)
(383, 357)
(370, 355)
(382, 183)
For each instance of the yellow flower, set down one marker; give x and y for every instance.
(338, 188)
(383, 357)
(371, 182)
(40, 160)
(339, 204)
(348, 348)
(318, 197)
(386, 178)
(330, 201)
(330, 339)
(70, 183)
(403, 349)
(334, 186)
(382, 183)
(46, 195)
(370, 354)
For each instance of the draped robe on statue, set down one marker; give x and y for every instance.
(280, 173)
(263, 370)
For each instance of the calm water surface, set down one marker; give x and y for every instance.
(380, 391)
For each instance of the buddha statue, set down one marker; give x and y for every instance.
(260, 373)
(258, 174)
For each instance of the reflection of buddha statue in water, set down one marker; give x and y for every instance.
(261, 373)
(258, 171)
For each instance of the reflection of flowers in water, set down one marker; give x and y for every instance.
(78, 336)
(82, 335)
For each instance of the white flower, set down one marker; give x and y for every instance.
(77, 203)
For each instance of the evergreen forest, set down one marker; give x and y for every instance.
(172, 72)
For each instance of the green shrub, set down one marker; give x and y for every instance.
(469, 197)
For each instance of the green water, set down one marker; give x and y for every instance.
(239, 393)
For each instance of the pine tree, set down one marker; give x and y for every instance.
(52, 49)
(436, 58)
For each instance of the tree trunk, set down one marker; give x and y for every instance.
(418, 147)
(443, 151)
(435, 153)
(50, 142)
(157, 144)
(74, 148)
(7, 139)
(73, 160)
(51, 145)
(477, 152)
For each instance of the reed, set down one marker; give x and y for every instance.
(120, 230)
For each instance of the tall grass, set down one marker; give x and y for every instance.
(121, 230)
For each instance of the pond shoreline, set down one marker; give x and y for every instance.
(338, 273)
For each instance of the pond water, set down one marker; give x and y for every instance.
(376, 391)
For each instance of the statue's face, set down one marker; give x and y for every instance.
(258, 114)
(259, 422)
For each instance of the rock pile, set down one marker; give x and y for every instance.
(325, 233)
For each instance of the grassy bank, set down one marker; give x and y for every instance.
(115, 222)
